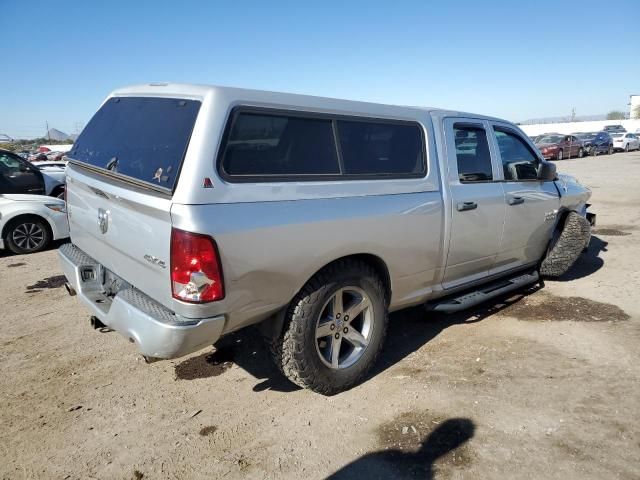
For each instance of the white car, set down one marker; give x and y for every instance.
(53, 174)
(29, 223)
(626, 141)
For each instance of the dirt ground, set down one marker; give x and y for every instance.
(542, 385)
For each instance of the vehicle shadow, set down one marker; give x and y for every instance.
(246, 349)
(384, 464)
(409, 330)
(587, 263)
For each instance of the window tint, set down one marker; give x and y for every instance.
(142, 137)
(9, 165)
(472, 153)
(518, 161)
(380, 148)
(278, 145)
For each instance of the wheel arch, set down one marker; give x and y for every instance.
(57, 190)
(272, 326)
(24, 216)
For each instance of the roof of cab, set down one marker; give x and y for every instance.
(268, 98)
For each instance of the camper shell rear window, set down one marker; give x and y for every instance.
(142, 138)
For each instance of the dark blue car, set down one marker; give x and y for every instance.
(596, 142)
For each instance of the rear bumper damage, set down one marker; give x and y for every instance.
(157, 331)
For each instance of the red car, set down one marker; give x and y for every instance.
(558, 146)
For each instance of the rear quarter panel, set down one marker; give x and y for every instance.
(269, 250)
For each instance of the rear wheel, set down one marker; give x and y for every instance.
(560, 154)
(626, 149)
(28, 235)
(610, 151)
(594, 151)
(580, 153)
(334, 328)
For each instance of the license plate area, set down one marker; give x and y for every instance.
(110, 282)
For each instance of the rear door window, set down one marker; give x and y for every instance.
(144, 138)
(273, 145)
(472, 153)
(372, 148)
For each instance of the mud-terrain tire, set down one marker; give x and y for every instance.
(566, 246)
(298, 350)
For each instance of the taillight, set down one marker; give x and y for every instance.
(196, 273)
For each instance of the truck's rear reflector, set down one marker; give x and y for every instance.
(196, 273)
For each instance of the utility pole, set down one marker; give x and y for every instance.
(48, 134)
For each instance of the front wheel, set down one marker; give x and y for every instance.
(560, 155)
(580, 153)
(334, 328)
(566, 245)
(610, 151)
(626, 149)
(594, 151)
(28, 235)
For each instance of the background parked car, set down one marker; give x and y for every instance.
(19, 176)
(29, 223)
(614, 128)
(54, 177)
(601, 143)
(558, 146)
(37, 157)
(625, 141)
(55, 156)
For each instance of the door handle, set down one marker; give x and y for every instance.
(516, 200)
(462, 206)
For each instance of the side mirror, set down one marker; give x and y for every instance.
(547, 172)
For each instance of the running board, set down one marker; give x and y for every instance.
(485, 292)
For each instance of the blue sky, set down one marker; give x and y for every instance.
(507, 58)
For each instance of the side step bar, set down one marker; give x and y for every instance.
(486, 292)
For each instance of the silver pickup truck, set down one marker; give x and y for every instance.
(195, 211)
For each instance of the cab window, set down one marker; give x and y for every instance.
(518, 160)
(472, 153)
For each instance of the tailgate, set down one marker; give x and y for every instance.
(125, 229)
(122, 172)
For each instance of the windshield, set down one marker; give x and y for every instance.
(550, 139)
(144, 138)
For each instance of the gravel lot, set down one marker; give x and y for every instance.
(543, 385)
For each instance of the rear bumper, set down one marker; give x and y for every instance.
(157, 331)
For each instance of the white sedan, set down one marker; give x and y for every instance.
(29, 223)
(626, 141)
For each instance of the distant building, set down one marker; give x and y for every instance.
(634, 106)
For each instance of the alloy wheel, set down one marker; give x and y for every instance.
(344, 327)
(28, 236)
